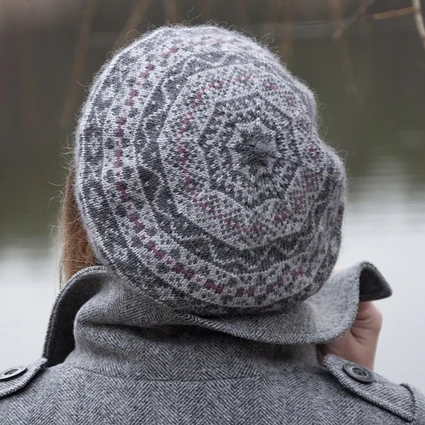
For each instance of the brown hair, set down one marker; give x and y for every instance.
(76, 250)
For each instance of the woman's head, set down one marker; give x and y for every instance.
(200, 176)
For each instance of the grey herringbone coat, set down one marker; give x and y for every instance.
(113, 357)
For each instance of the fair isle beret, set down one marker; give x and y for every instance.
(201, 178)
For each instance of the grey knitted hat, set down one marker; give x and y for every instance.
(202, 181)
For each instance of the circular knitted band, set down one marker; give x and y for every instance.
(201, 177)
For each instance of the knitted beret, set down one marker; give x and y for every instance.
(201, 178)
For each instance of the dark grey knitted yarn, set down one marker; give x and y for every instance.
(201, 178)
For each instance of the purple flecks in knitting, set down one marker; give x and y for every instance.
(199, 165)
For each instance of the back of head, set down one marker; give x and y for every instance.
(201, 178)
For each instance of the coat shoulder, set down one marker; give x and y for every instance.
(16, 378)
(403, 401)
(19, 386)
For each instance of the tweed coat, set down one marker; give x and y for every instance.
(112, 356)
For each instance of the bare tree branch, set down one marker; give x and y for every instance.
(394, 13)
(347, 23)
(419, 20)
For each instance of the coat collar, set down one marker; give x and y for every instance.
(104, 326)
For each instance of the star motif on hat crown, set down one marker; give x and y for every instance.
(256, 146)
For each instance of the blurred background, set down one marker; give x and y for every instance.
(364, 59)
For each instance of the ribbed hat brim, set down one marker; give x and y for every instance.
(323, 317)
